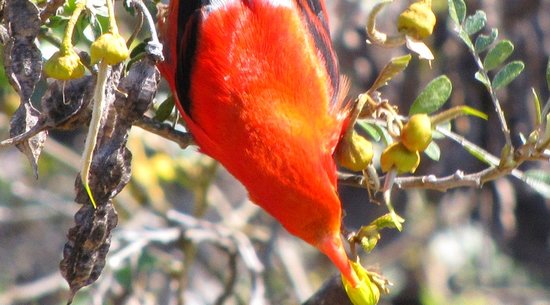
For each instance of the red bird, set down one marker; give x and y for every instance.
(258, 86)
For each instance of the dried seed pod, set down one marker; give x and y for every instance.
(65, 103)
(25, 119)
(87, 246)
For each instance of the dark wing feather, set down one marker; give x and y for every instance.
(184, 19)
(316, 18)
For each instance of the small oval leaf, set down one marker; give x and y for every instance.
(507, 74)
(436, 93)
(484, 41)
(466, 39)
(371, 130)
(497, 55)
(482, 78)
(475, 22)
(457, 10)
(473, 112)
(394, 67)
(433, 151)
(539, 180)
(537, 106)
(165, 109)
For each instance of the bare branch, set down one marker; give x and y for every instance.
(33, 290)
(50, 9)
(183, 139)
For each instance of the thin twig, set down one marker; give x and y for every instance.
(183, 139)
(22, 293)
(50, 9)
(154, 47)
(527, 152)
(494, 99)
(229, 286)
(199, 230)
(380, 38)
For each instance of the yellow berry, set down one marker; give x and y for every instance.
(416, 135)
(64, 66)
(110, 48)
(418, 20)
(399, 157)
(354, 153)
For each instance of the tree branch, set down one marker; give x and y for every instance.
(183, 139)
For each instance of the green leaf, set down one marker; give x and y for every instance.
(474, 23)
(466, 39)
(165, 109)
(57, 21)
(434, 95)
(497, 55)
(467, 110)
(507, 74)
(484, 41)
(394, 67)
(432, 151)
(482, 78)
(139, 49)
(537, 105)
(480, 154)
(371, 130)
(539, 180)
(457, 10)
(386, 137)
(548, 73)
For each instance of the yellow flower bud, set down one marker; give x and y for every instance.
(416, 135)
(109, 47)
(399, 157)
(418, 20)
(367, 292)
(64, 66)
(354, 153)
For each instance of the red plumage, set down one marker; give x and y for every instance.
(257, 84)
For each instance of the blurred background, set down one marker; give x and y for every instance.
(464, 246)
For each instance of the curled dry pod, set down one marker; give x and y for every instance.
(64, 66)
(399, 157)
(416, 135)
(110, 48)
(354, 153)
(418, 20)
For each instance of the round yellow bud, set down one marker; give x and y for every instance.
(416, 135)
(399, 157)
(418, 20)
(64, 66)
(110, 48)
(354, 153)
(367, 292)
